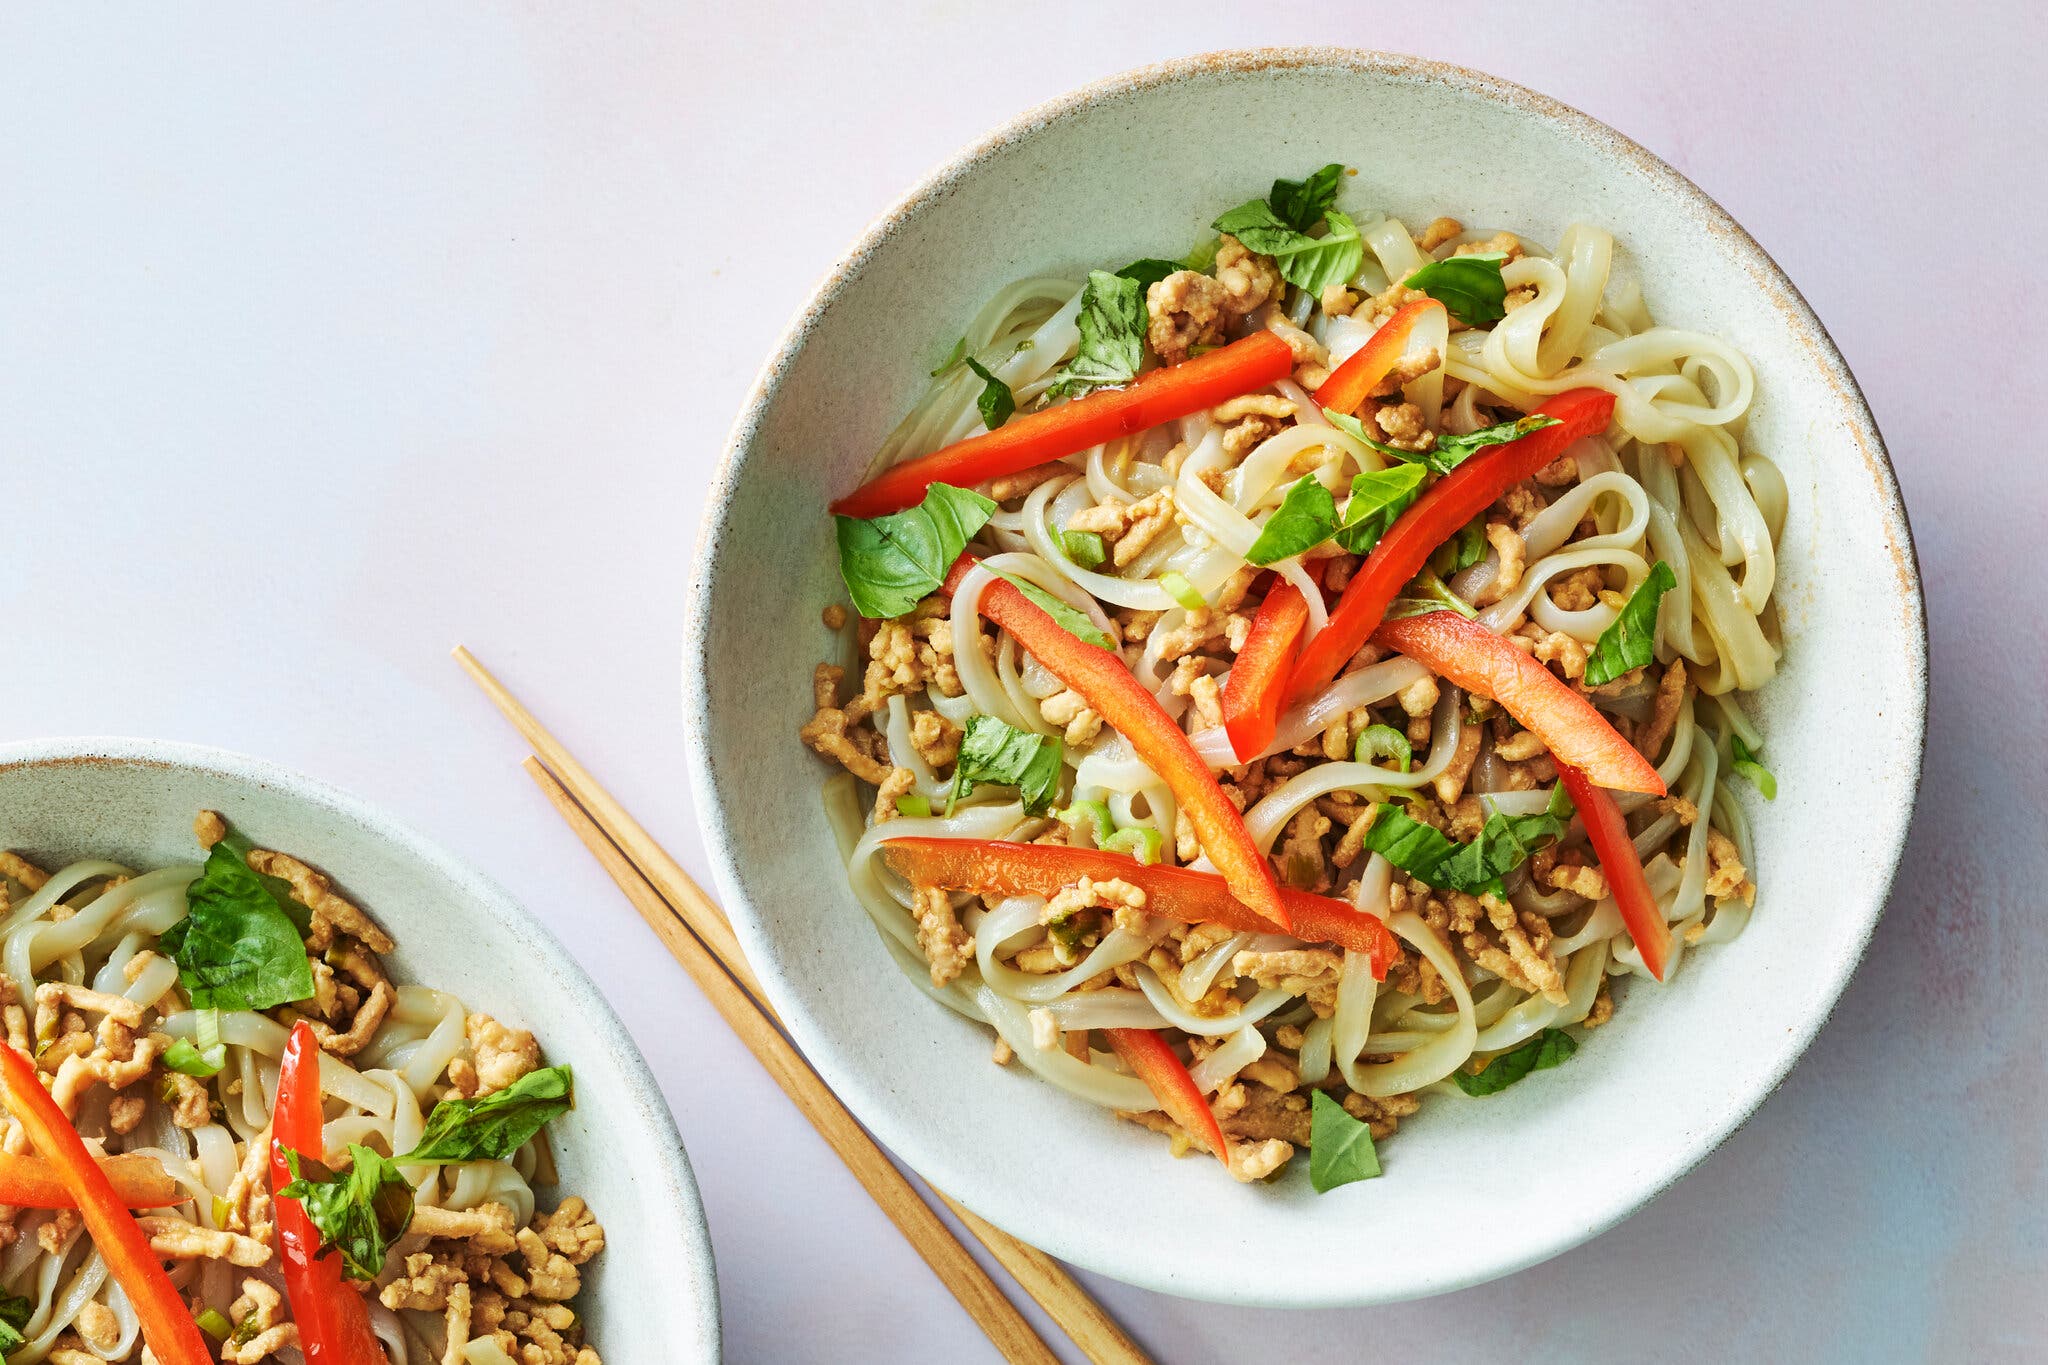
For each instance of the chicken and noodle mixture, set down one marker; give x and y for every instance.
(231, 1135)
(1305, 675)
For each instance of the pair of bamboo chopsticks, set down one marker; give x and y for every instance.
(697, 933)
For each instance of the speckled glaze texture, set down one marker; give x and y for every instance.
(1136, 166)
(133, 801)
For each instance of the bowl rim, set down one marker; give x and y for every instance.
(1777, 288)
(688, 1249)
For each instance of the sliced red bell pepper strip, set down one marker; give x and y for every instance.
(1034, 438)
(1354, 381)
(1480, 661)
(334, 1320)
(167, 1324)
(1257, 683)
(1124, 704)
(1622, 868)
(996, 867)
(29, 1182)
(1153, 1061)
(1436, 516)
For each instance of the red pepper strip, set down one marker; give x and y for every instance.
(29, 1182)
(1034, 438)
(1258, 676)
(1480, 661)
(1103, 681)
(167, 1324)
(996, 867)
(1153, 1061)
(334, 1321)
(1354, 380)
(1622, 868)
(1436, 516)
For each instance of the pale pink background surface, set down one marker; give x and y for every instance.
(328, 340)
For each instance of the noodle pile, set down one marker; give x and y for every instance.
(1261, 1019)
(481, 1275)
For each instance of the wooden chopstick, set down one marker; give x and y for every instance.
(687, 911)
(970, 1284)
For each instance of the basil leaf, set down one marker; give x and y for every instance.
(1112, 326)
(996, 403)
(994, 751)
(1547, 1049)
(1408, 844)
(1311, 264)
(1759, 776)
(1451, 451)
(1464, 549)
(891, 563)
(1378, 498)
(1469, 287)
(1631, 641)
(1305, 518)
(1504, 844)
(1150, 271)
(953, 357)
(359, 1212)
(237, 947)
(495, 1126)
(15, 1311)
(1300, 204)
(1070, 619)
(1340, 1149)
(1084, 548)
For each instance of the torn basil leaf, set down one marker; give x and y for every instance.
(238, 947)
(1547, 1049)
(995, 751)
(1631, 642)
(1112, 327)
(1450, 450)
(493, 1127)
(891, 563)
(1071, 619)
(1150, 271)
(1340, 1147)
(996, 403)
(359, 1212)
(1305, 518)
(1378, 498)
(1301, 204)
(1084, 548)
(1505, 842)
(1469, 287)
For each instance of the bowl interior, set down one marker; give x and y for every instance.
(1473, 1189)
(134, 803)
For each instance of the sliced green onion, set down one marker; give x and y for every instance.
(1084, 548)
(1096, 817)
(215, 1325)
(1138, 841)
(205, 1057)
(1180, 590)
(221, 1211)
(1382, 741)
(913, 805)
(1746, 764)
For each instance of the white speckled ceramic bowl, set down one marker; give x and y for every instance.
(133, 801)
(1136, 166)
